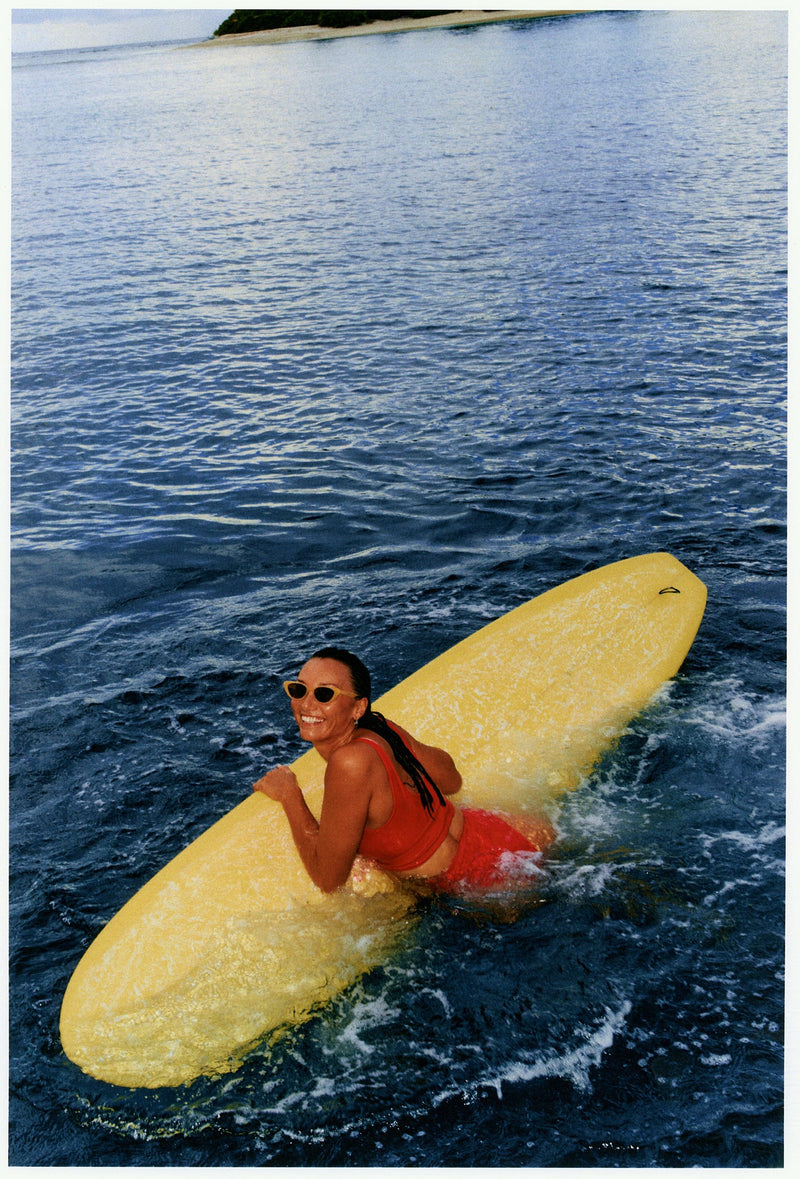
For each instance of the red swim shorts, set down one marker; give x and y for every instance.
(488, 852)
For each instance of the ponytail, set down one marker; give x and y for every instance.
(374, 722)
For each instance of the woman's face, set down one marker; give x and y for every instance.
(331, 723)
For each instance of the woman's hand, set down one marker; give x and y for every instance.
(278, 784)
(328, 847)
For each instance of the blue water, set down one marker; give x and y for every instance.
(369, 341)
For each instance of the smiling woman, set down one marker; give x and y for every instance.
(385, 794)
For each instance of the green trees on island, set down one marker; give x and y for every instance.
(254, 20)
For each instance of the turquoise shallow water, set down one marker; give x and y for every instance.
(369, 341)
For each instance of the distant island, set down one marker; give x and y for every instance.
(274, 26)
(257, 20)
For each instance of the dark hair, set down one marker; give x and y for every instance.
(375, 722)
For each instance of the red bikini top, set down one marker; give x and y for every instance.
(410, 835)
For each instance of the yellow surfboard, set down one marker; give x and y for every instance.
(231, 943)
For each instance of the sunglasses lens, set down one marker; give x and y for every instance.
(324, 695)
(296, 690)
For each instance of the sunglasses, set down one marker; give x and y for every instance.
(324, 693)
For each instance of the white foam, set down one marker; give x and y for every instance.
(440, 995)
(736, 716)
(588, 880)
(770, 833)
(522, 865)
(366, 1015)
(574, 1065)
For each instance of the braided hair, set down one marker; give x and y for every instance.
(375, 722)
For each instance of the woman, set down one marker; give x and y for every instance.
(386, 794)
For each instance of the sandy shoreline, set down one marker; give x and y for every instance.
(317, 33)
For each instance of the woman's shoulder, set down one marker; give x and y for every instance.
(408, 739)
(358, 754)
(396, 729)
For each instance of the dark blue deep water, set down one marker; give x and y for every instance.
(369, 341)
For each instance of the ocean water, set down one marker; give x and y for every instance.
(369, 341)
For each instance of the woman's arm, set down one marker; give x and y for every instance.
(329, 847)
